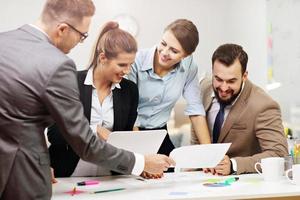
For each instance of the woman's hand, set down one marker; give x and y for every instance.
(135, 128)
(53, 180)
(102, 132)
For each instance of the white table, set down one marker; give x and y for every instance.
(185, 185)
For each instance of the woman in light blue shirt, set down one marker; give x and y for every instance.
(164, 73)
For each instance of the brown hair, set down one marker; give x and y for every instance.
(186, 33)
(72, 11)
(228, 53)
(111, 41)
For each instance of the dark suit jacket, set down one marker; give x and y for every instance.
(253, 126)
(39, 84)
(125, 100)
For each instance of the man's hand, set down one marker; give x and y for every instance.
(211, 170)
(102, 133)
(157, 163)
(223, 168)
(147, 175)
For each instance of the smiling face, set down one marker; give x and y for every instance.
(227, 81)
(115, 69)
(169, 51)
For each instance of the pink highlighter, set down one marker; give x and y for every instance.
(89, 182)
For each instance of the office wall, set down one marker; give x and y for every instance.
(218, 22)
(283, 18)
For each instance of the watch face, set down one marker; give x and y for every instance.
(127, 23)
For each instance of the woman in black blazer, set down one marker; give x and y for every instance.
(109, 101)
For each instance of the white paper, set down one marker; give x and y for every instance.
(143, 142)
(199, 156)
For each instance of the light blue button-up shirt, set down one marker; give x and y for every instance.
(158, 95)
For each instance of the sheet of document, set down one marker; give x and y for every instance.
(199, 156)
(143, 142)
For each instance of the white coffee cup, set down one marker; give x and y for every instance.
(296, 174)
(272, 168)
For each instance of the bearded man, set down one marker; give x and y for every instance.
(241, 113)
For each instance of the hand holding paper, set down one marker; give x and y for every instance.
(199, 156)
(146, 143)
(223, 168)
(157, 163)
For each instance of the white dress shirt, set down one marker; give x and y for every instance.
(103, 115)
(211, 116)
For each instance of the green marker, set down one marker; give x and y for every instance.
(231, 180)
(213, 180)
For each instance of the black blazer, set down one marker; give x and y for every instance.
(125, 100)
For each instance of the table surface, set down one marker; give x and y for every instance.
(183, 185)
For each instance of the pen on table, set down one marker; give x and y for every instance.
(231, 180)
(140, 179)
(74, 191)
(109, 190)
(90, 182)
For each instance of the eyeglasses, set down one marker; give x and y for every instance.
(83, 35)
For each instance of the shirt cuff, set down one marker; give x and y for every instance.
(234, 165)
(94, 128)
(137, 123)
(139, 164)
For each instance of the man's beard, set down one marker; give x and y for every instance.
(231, 99)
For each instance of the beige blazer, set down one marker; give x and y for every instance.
(253, 126)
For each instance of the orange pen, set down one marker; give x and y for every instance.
(74, 191)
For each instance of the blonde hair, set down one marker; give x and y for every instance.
(72, 11)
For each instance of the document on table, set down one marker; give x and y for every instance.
(143, 142)
(199, 156)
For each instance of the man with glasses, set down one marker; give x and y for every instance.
(83, 35)
(39, 86)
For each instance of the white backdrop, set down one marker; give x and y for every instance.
(218, 22)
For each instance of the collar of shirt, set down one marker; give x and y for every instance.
(89, 80)
(149, 60)
(39, 29)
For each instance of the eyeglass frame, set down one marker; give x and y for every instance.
(83, 35)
